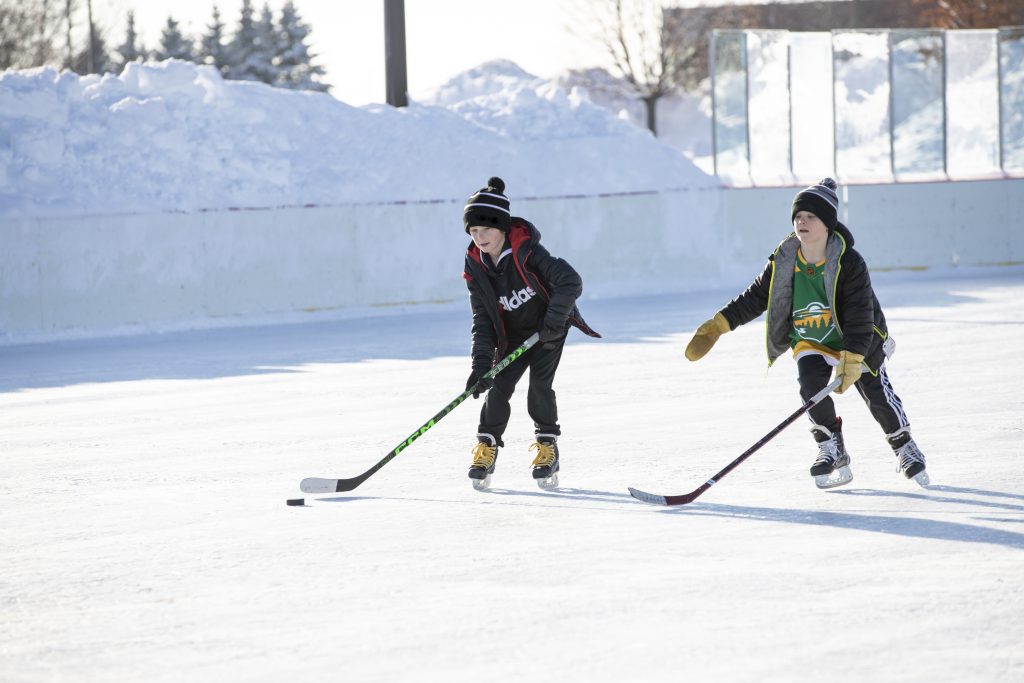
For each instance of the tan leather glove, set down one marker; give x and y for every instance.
(849, 369)
(706, 336)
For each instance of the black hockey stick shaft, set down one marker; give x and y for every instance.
(319, 485)
(696, 493)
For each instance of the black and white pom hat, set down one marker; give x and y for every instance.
(488, 207)
(821, 200)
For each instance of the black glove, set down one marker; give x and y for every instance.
(475, 377)
(550, 335)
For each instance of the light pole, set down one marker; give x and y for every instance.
(394, 53)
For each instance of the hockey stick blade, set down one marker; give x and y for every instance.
(325, 485)
(320, 485)
(655, 499)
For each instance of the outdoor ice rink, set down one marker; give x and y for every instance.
(144, 534)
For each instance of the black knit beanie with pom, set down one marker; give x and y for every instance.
(488, 207)
(821, 200)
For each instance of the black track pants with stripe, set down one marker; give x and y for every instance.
(876, 390)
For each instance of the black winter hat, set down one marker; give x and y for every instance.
(821, 200)
(488, 207)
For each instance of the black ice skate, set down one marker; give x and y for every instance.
(545, 465)
(485, 456)
(909, 458)
(832, 466)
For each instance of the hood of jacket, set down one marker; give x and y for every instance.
(522, 233)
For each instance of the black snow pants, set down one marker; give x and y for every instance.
(540, 397)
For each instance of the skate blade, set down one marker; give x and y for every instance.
(482, 484)
(837, 478)
(922, 479)
(548, 483)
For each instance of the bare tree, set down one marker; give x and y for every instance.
(632, 32)
(91, 50)
(69, 13)
(653, 47)
(970, 13)
(28, 33)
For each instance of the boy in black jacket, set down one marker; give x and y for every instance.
(821, 305)
(516, 288)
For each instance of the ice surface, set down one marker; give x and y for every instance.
(144, 533)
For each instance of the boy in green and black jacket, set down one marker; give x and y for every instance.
(821, 305)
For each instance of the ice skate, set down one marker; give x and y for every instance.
(832, 466)
(545, 465)
(485, 456)
(909, 458)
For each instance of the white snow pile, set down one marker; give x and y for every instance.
(172, 136)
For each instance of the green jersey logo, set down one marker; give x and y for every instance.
(814, 323)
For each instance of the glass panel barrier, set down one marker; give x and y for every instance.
(918, 108)
(729, 93)
(768, 112)
(1011, 96)
(972, 104)
(813, 114)
(861, 72)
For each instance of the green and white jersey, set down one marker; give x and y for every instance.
(814, 329)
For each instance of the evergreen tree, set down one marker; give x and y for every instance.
(212, 49)
(130, 50)
(102, 62)
(242, 45)
(29, 33)
(173, 44)
(296, 70)
(262, 60)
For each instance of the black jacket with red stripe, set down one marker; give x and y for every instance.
(551, 279)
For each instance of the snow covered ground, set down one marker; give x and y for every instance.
(145, 536)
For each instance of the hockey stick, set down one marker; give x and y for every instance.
(320, 485)
(693, 495)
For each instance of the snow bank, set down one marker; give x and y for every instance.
(174, 136)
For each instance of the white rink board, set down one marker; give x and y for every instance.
(93, 275)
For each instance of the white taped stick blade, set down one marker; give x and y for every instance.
(318, 485)
(647, 497)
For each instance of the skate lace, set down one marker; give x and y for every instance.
(483, 455)
(908, 454)
(545, 454)
(828, 452)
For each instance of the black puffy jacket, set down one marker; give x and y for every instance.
(855, 307)
(558, 284)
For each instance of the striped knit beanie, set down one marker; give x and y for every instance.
(488, 207)
(821, 200)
